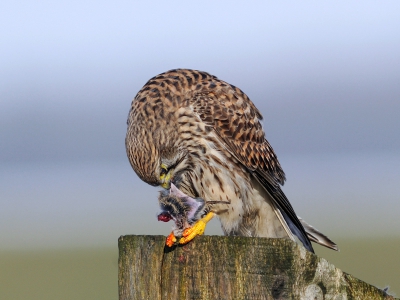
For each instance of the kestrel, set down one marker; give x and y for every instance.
(200, 138)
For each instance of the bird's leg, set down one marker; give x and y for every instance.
(197, 229)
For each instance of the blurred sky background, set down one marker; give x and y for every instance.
(326, 77)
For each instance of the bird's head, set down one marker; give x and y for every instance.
(154, 156)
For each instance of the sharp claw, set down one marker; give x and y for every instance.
(171, 240)
(190, 233)
(197, 229)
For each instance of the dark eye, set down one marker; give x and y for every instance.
(163, 171)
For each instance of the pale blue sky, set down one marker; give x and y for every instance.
(324, 75)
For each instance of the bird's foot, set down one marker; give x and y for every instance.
(197, 229)
(171, 240)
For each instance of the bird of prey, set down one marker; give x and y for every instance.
(201, 138)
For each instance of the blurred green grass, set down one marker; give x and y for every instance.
(59, 274)
(92, 273)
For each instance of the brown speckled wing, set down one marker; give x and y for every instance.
(236, 121)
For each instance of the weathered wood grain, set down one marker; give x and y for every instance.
(216, 267)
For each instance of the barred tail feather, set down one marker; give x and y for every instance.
(317, 237)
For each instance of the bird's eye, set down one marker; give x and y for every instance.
(163, 171)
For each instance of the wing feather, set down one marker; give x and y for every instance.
(236, 121)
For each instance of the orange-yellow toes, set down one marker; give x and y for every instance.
(190, 233)
(197, 229)
(171, 239)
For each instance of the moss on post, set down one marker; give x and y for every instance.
(215, 267)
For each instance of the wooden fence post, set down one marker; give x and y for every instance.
(219, 267)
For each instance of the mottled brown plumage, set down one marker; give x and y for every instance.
(204, 135)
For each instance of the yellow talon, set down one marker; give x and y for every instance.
(197, 229)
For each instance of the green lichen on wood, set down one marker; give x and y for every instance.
(214, 267)
(139, 264)
(359, 289)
